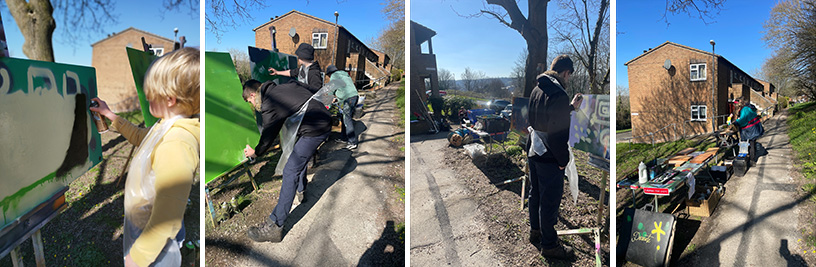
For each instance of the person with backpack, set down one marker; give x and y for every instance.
(750, 125)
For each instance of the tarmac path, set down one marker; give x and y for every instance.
(346, 210)
(445, 229)
(756, 222)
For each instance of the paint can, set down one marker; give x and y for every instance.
(101, 126)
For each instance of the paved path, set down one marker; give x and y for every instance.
(445, 229)
(345, 213)
(755, 224)
(623, 137)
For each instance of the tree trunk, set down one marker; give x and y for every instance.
(36, 22)
(537, 41)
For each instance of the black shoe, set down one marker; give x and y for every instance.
(535, 237)
(561, 252)
(267, 231)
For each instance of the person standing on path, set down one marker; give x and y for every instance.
(750, 126)
(309, 70)
(276, 103)
(548, 154)
(348, 96)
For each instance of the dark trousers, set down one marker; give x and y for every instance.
(348, 133)
(294, 175)
(547, 181)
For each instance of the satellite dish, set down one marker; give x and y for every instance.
(667, 64)
(292, 32)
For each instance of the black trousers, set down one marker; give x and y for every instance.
(547, 180)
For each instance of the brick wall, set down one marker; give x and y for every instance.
(113, 74)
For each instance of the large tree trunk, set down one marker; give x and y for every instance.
(36, 22)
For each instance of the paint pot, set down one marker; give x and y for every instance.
(101, 126)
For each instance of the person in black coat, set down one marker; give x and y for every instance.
(309, 70)
(548, 154)
(276, 103)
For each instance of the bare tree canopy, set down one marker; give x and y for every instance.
(705, 10)
(472, 80)
(219, 17)
(791, 32)
(583, 26)
(391, 39)
(447, 80)
(533, 28)
(80, 20)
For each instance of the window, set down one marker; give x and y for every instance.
(698, 72)
(158, 51)
(319, 39)
(698, 113)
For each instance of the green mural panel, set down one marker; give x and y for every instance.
(139, 62)
(48, 135)
(260, 60)
(229, 119)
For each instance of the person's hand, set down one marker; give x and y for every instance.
(562, 167)
(103, 109)
(273, 71)
(249, 152)
(334, 100)
(576, 100)
(129, 262)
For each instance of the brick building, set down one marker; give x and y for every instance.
(671, 85)
(296, 27)
(113, 74)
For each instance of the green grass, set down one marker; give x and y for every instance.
(624, 130)
(401, 102)
(133, 116)
(802, 133)
(630, 155)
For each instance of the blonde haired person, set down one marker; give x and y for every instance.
(161, 173)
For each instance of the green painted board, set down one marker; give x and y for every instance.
(48, 136)
(230, 121)
(139, 62)
(260, 60)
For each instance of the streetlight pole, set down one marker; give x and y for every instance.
(713, 89)
(336, 30)
(175, 37)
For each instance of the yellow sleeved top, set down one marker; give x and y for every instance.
(174, 160)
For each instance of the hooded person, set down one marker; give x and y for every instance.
(348, 96)
(750, 126)
(548, 154)
(276, 103)
(308, 71)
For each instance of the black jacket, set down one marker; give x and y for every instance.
(281, 101)
(315, 77)
(549, 111)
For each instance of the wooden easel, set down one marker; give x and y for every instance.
(28, 226)
(245, 169)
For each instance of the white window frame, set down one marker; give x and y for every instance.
(695, 68)
(158, 51)
(699, 113)
(320, 36)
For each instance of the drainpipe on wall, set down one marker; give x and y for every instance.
(334, 51)
(713, 89)
(272, 32)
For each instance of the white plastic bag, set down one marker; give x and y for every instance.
(572, 176)
(288, 133)
(140, 193)
(475, 150)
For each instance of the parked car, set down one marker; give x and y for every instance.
(498, 104)
(507, 111)
(441, 93)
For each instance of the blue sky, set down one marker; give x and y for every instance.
(482, 43)
(361, 17)
(145, 15)
(737, 32)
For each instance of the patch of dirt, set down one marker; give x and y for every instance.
(508, 224)
(89, 231)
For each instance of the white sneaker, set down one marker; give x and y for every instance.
(351, 146)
